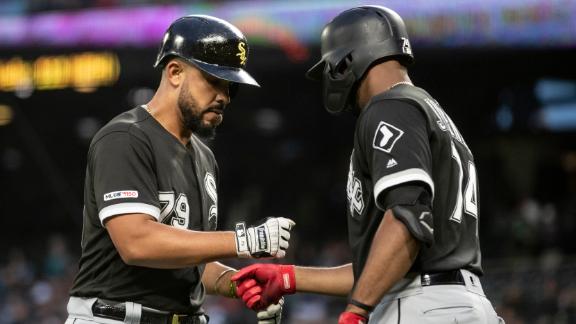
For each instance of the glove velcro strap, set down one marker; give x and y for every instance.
(288, 278)
(242, 248)
(259, 241)
(263, 238)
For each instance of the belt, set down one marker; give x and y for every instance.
(453, 277)
(118, 312)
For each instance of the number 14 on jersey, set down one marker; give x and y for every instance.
(467, 201)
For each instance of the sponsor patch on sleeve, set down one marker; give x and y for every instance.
(121, 194)
(386, 136)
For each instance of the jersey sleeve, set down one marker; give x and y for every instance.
(394, 140)
(123, 177)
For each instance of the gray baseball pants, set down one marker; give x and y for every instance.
(409, 302)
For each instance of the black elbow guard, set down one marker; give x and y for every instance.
(412, 205)
(418, 220)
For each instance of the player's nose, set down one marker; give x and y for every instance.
(222, 92)
(223, 97)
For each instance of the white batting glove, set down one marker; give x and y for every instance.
(269, 239)
(272, 314)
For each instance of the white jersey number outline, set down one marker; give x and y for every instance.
(179, 207)
(467, 202)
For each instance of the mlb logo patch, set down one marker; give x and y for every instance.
(386, 136)
(120, 194)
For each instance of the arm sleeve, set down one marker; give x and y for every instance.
(395, 143)
(124, 179)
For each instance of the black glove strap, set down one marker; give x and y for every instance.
(358, 304)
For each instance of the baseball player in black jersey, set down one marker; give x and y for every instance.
(413, 206)
(149, 240)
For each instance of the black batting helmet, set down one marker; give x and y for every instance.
(211, 44)
(351, 43)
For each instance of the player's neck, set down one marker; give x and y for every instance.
(167, 116)
(379, 78)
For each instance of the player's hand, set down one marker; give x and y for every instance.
(260, 285)
(272, 314)
(250, 292)
(269, 239)
(351, 318)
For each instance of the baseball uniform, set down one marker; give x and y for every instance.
(404, 139)
(137, 166)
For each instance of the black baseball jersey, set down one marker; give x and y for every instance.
(136, 166)
(403, 137)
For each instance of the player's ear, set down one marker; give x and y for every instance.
(174, 72)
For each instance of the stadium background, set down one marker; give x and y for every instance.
(503, 70)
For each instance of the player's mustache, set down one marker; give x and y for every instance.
(217, 108)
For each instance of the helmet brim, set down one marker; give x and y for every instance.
(315, 72)
(227, 73)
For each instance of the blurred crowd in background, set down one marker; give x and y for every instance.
(34, 282)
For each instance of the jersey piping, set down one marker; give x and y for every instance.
(128, 208)
(397, 178)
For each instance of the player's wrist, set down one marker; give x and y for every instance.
(357, 307)
(288, 274)
(223, 284)
(357, 310)
(232, 290)
(350, 317)
(241, 240)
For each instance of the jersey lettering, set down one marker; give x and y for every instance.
(445, 123)
(354, 192)
(210, 186)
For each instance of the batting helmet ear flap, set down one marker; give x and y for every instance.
(338, 84)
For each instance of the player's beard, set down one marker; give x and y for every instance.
(192, 117)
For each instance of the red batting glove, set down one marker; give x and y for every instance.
(352, 318)
(274, 280)
(250, 293)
